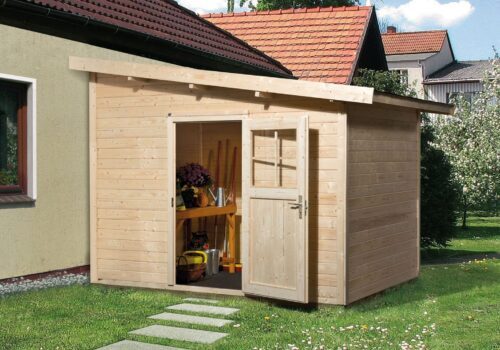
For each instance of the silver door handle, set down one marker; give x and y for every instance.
(298, 206)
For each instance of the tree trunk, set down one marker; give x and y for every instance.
(464, 217)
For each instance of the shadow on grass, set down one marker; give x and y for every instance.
(477, 231)
(450, 256)
(434, 282)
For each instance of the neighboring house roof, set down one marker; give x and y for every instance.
(460, 71)
(157, 21)
(322, 44)
(414, 42)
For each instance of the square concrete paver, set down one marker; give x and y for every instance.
(184, 334)
(200, 300)
(135, 345)
(207, 321)
(216, 310)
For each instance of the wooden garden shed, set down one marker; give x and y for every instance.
(327, 191)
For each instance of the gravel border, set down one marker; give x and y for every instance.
(18, 285)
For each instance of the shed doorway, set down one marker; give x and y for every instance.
(256, 242)
(208, 204)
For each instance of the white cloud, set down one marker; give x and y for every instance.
(418, 13)
(209, 6)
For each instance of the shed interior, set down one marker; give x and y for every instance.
(217, 147)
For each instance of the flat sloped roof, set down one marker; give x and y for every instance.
(267, 85)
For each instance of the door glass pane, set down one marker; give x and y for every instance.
(274, 158)
(9, 105)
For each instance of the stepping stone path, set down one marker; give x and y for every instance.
(217, 310)
(178, 333)
(206, 321)
(135, 345)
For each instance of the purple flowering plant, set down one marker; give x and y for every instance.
(193, 174)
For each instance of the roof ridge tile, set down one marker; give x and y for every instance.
(287, 11)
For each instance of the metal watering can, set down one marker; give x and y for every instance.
(220, 199)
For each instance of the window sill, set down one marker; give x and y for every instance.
(15, 199)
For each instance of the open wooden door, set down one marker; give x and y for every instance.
(274, 222)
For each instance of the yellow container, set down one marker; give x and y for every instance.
(193, 257)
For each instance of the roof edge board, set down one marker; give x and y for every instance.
(410, 102)
(300, 88)
(435, 81)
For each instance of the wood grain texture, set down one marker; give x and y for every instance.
(129, 182)
(382, 199)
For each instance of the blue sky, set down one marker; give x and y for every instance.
(474, 25)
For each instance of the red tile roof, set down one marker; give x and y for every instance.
(166, 20)
(320, 44)
(413, 42)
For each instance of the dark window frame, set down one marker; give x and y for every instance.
(22, 139)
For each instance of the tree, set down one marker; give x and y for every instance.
(230, 6)
(439, 195)
(287, 4)
(471, 139)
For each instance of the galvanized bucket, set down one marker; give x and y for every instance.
(212, 261)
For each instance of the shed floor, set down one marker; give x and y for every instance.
(224, 280)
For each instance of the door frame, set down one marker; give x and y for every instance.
(172, 122)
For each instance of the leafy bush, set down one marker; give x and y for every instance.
(287, 4)
(439, 196)
(384, 81)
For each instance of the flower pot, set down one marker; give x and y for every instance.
(202, 198)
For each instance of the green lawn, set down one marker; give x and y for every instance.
(481, 237)
(449, 307)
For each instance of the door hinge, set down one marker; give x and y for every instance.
(172, 202)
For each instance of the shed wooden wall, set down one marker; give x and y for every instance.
(382, 241)
(130, 193)
(131, 203)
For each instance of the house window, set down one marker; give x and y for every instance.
(13, 116)
(17, 141)
(403, 75)
(468, 96)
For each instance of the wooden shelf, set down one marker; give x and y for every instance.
(229, 211)
(192, 213)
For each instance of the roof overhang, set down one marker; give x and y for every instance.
(450, 81)
(298, 88)
(415, 103)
